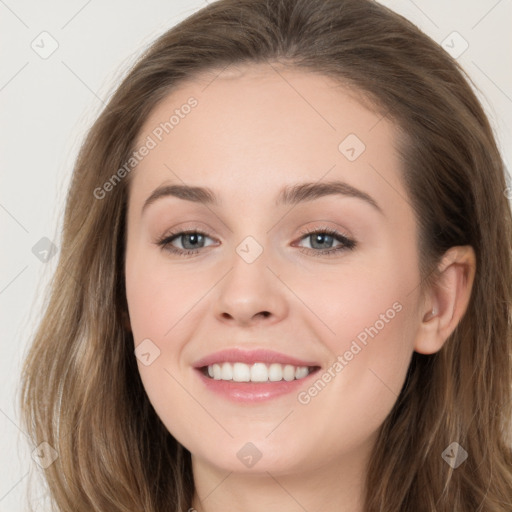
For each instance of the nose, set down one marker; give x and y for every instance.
(251, 293)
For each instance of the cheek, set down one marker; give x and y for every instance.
(157, 300)
(371, 351)
(369, 311)
(158, 295)
(364, 299)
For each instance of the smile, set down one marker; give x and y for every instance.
(252, 376)
(257, 372)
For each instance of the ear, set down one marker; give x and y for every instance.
(447, 300)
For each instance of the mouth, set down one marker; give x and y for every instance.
(255, 375)
(257, 372)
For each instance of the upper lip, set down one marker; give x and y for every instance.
(236, 355)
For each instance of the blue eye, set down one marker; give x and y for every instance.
(192, 238)
(326, 236)
(195, 241)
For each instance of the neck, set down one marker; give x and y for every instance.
(334, 486)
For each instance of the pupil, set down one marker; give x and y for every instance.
(193, 237)
(322, 238)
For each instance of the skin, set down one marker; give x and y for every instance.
(254, 131)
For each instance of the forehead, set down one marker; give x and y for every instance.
(255, 125)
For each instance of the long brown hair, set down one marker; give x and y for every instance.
(81, 390)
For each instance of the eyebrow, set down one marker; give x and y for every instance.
(289, 195)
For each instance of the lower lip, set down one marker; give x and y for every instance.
(253, 391)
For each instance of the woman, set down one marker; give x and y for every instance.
(252, 371)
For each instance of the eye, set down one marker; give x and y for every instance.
(192, 241)
(323, 239)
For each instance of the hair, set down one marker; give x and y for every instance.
(81, 391)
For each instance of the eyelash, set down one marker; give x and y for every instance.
(347, 243)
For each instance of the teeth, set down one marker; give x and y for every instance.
(241, 372)
(217, 372)
(227, 372)
(301, 372)
(289, 372)
(258, 372)
(275, 372)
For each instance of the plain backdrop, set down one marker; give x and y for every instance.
(49, 101)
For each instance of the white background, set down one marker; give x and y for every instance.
(48, 104)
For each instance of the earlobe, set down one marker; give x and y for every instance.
(448, 299)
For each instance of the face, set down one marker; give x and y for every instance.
(275, 313)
